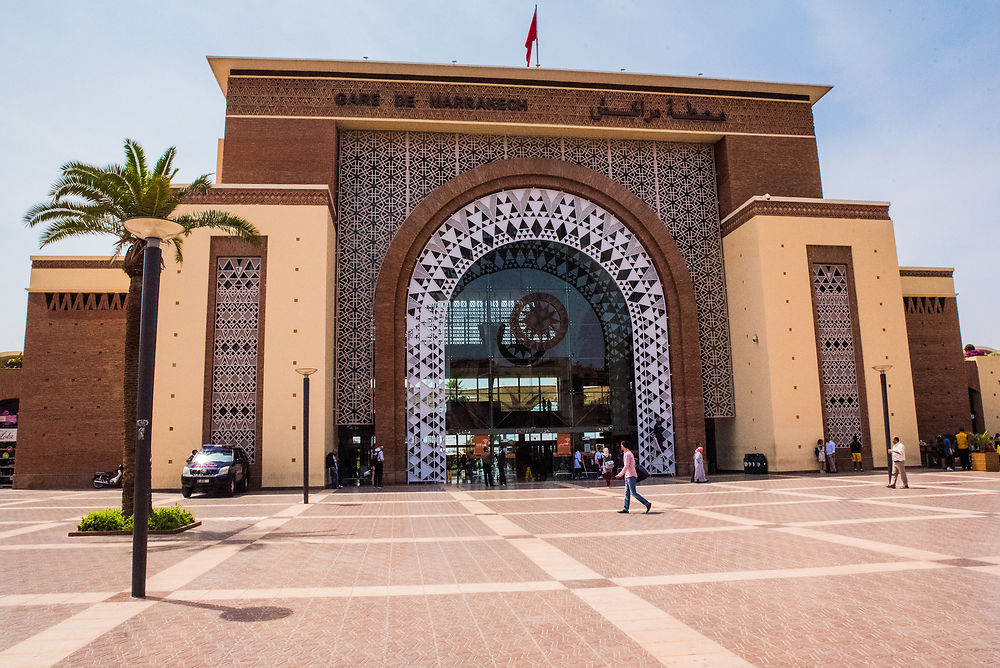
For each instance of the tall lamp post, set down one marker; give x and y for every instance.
(153, 230)
(882, 368)
(306, 372)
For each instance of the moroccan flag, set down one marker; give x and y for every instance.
(532, 35)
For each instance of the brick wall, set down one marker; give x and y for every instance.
(940, 376)
(780, 166)
(280, 150)
(71, 420)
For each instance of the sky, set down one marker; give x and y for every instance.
(912, 118)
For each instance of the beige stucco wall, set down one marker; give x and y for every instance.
(298, 332)
(927, 286)
(777, 380)
(44, 279)
(989, 389)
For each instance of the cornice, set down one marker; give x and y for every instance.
(803, 207)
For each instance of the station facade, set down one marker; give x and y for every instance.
(471, 256)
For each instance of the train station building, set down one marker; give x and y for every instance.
(476, 256)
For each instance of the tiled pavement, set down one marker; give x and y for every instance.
(768, 571)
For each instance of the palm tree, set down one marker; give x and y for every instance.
(90, 200)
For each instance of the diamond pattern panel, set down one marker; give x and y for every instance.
(512, 217)
(836, 344)
(384, 174)
(234, 365)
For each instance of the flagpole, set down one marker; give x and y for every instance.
(536, 37)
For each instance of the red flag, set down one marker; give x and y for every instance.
(532, 35)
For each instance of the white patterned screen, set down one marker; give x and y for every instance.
(234, 366)
(525, 215)
(836, 352)
(385, 174)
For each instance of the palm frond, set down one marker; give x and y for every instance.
(221, 220)
(156, 200)
(135, 160)
(165, 162)
(178, 243)
(199, 186)
(66, 228)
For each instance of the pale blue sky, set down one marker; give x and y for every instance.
(912, 118)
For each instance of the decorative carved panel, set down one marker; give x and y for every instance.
(383, 175)
(234, 368)
(838, 368)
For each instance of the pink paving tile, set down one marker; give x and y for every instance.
(755, 549)
(266, 565)
(610, 520)
(21, 623)
(886, 619)
(819, 511)
(550, 628)
(964, 537)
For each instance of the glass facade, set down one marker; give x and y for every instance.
(537, 360)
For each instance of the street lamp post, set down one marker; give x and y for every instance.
(306, 372)
(153, 230)
(882, 368)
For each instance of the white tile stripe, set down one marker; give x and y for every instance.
(30, 529)
(736, 519)
(877, 520)
(59, 598)
(666, 638)
(864, 544)
(444, 589)
(775, 574)
(552, 560)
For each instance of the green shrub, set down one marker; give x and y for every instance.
(163, 519)
(111, 519)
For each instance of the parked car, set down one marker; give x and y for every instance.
(218, 468)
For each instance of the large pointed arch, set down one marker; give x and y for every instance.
(541, 174)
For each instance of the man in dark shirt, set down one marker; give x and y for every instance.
(856, 454)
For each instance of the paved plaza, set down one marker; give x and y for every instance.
(768, 571)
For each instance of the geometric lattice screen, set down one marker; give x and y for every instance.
(385, 174)
(514, 217)
(836, 353)
(234, 364)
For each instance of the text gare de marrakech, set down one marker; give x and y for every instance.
(434, 101)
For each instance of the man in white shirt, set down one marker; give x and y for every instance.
(898, 463)
(831, 459)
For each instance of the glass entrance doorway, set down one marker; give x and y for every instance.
(538, 359)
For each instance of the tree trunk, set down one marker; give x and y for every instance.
(133, 312)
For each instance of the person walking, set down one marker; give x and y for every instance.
(831, 456)
(947, 452)
(631, 477)
(898, 463)
(608, 464)
(856, 463)
(334, 470)
(964, 449)
(598, 464)
(378, 460)
(488, 466)
(699, 464)
(577, 463)
(502, 466)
